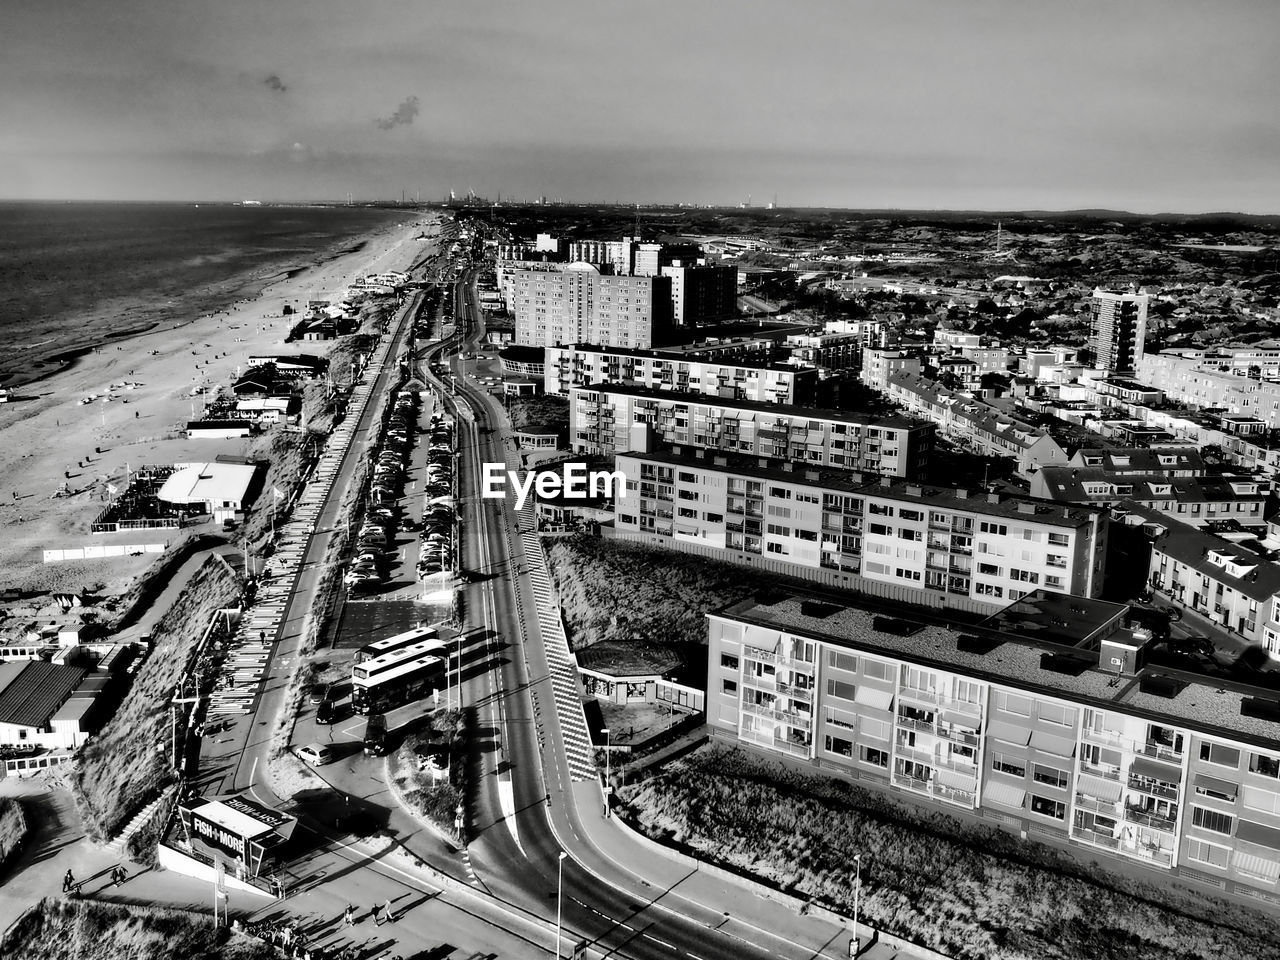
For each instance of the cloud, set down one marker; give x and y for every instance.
(273, 82)
(404, 115)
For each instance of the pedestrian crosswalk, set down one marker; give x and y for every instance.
(561, 664)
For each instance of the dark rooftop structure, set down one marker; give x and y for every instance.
(32, 691)
(1058, 618)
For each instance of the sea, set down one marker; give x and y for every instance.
(76, 275)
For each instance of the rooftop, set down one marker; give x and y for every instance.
(667, 357)
(1068, 483)
(895, 488)
(779, 409)
(208, 483)
(1216, 707)
(1216, 558)
(32, 691)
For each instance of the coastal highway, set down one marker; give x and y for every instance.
(516, 834)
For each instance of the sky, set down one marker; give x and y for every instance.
(1142, 105)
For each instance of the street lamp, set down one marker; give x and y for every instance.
(608, 767)
(857, 891)
(559, 898)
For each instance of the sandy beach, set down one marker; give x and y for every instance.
(46, 432)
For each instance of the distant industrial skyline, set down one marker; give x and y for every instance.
(1147, 106)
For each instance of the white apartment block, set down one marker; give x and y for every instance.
(582, 365)
(608, 419)
(1178, 776)
(921, 543)
(578, 304)
(1244, 382)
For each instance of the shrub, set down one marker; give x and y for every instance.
(13, 828)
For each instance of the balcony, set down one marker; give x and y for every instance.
(801, 720)
(1094, 805)
(803, 694)
(1161, 751)
(923, 696)
(764, 656)
(1155, 853)
(1094, 837)
(1106, 773)
(1153, 788)
(943, 524)
(907, 723)
(1149, 818)
(956, 735)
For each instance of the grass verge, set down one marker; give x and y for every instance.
(128, 763)
(613, 590)
(434, 799)
(967, 890)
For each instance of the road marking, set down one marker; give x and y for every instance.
(649, 936)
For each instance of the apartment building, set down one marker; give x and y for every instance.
(977, 425)
(923, 544)
(610, 419)
(1118, 329)
(578, 304)
(581, 365)
(826, 351)
(1170, 461)
(1225, 582)
(1197, 501)
(700, 292)
(1068, 738)
(1242, 382)
(880, 364)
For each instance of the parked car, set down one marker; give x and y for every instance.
(319, 692)
(326, 712)
(316, 754)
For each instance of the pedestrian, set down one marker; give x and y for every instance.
(349, 917)
(374, 913)
(386, 909)
(68, 882)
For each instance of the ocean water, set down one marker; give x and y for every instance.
(75, 275)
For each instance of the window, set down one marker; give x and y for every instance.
(1058, 539)
(988, 590)
(876, 669)
(904, 574)
(1012, 703)
(713, 517)
(874, 756)
(999, 529)
(1214, 794)
(1211, 820)
(1050, 775)
(878, 528)
(1258, 799)
(842, 661)
(1013, 766)
(1048, 808)
(687, 513)
(1203, 852)
(1056, 713)
(840, 747)
(879, 509)
(728, 661)
(990, 570)
(1024, 576)
(839, 718)
(1217, 753)
(905, 514)
(840, 689)
(778, 531)
(728, 686)
(1266, 766)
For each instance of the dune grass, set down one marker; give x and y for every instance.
(128, 763)
(966, 890)
(93, 930)
(613, 590)
(13, 827)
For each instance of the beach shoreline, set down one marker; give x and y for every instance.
(246, 285)
(145, 385)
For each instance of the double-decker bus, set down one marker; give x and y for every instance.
(396, 683)
(392, 644)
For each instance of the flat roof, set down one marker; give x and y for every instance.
(1208, 706)
(779, 409)
(208, 483)
(668, 357)
(33, 692)
(241, 816)
(895, 488)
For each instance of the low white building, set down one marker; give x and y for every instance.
(219, 489)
